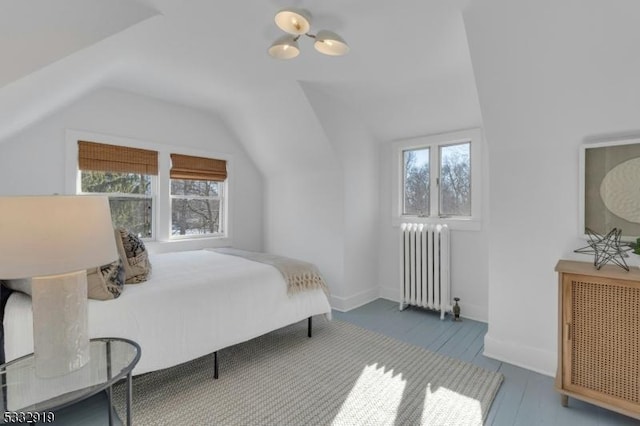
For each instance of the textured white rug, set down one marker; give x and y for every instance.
(343, 375)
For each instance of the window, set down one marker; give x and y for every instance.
(130, 198)
(439, 179)
(127, 177)
(195, 207)
(455, 180)
(416, 182)
(153, 191)
(196, 195)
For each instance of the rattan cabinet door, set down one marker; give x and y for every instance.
(601, 339)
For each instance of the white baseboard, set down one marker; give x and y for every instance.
(468, 310)
(344, 304)
(535, 359)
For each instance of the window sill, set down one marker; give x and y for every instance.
(455, 224)
(183, 244)
(195, 237)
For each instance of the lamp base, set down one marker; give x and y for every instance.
(60, 326)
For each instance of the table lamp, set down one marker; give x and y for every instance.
(53, 240)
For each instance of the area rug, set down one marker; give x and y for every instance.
(343, 375)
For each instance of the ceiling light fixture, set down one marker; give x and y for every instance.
(330, 43)
(294, 21)
(286, 47)
(297, 22)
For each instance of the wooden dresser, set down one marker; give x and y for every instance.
(599, 335)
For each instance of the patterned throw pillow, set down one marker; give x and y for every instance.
(105, 282)
(134, 256)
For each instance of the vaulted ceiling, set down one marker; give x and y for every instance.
(409, 70)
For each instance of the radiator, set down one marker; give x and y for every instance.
(424, 267)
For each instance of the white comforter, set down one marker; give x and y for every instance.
(195, 303)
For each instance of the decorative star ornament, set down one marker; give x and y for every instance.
(605, 249)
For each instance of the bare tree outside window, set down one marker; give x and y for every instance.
(416, 182)
(195, 207)
(455, 180)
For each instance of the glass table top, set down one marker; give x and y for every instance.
(22, 389)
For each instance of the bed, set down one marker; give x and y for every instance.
(195, 303)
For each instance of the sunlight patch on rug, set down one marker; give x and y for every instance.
(443, 401)
(375, 398)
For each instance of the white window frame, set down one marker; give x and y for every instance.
(162, 192)
(434, 143)
(220, 197)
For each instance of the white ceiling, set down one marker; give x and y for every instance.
(409, 71)
(34, 33)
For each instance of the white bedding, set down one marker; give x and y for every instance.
(195, 303)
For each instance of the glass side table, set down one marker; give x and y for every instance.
(34, 398)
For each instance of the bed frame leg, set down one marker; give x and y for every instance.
(215, 365)
(309, 327)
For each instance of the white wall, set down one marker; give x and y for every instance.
(304, 220)
(358, 156)
(42, 147)
(550, 75)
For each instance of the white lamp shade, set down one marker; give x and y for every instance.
(330, 43)
(286, 47)
(293, 21)
(48, 235)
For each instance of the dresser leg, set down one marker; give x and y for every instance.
(564, 400)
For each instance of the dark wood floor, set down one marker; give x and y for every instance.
(525, 397)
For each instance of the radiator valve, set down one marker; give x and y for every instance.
(456, 310)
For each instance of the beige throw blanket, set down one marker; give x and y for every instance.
(298, 275)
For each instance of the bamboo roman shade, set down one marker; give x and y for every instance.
(197, 168)
(113, 158)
